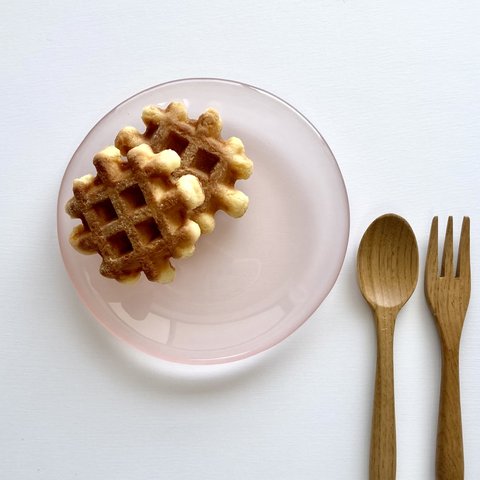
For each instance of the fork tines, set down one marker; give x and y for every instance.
(463, 262)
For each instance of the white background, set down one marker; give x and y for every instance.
(394, 89)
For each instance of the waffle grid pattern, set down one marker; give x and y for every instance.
(217, 163)
(133, 214)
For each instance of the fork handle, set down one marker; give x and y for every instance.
(383, 441)
(449, 461)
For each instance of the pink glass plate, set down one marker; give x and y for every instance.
(254, 280)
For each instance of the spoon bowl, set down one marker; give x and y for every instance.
(387, 262)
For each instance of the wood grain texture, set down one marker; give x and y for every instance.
(387, 270)
(448, 295)
(383, 438)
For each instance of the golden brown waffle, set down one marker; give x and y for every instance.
(217, 163)
(134, 213)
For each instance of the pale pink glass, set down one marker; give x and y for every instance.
(254, 280)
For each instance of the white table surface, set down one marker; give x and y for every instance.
(394, 89)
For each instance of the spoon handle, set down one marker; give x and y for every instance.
(383, 442)
(449, 461)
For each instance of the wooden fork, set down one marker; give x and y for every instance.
(448, 294)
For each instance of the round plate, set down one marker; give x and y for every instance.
(253, 280)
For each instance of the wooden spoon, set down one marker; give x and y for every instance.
(387, 270)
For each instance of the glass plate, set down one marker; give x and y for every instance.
(254, 280)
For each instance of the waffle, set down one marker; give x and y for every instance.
(134, 213)
(217, 163)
